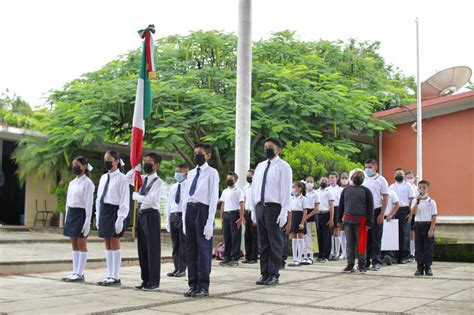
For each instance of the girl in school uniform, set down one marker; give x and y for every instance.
(335, 237)
(112, 207)
(298, 222)
(344, 183)
(80, 195)
(312, 198)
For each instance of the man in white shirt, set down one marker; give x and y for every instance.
(251, 240)
(232, 215)
(405, 194)
(271, 201)
(379, 188)
(174, 221)
(201, 197)
(149, 222)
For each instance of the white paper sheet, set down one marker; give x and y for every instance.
(390, 235)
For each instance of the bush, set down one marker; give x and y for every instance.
(315, 159)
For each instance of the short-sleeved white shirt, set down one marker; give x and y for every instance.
(426, 209)
(336, 193)
(299, 203)
(325, 195)
(404, 191)
(392, 200)
(232, 198)
(312, 198)
(378, 186)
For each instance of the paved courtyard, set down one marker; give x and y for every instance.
(316, 289)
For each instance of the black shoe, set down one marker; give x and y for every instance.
(171, 274)
(103, 281)
(200, 293)
(246, 262)
(283, 264)
(419, 272)
(251, 262)
(272, 280)
(151, 288)
(375, 267)
(112, 282)
(233, 263)
(261, 281)
(225, 262)
(403, 261)
(367, 264)
(362, 270)
(428, 272)
(75, 278)
(387, 260)
(180, 274)
(140, 287)
(190, 292)
(348, 269)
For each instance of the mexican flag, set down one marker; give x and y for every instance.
(143, 100)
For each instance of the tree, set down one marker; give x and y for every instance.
(14, 103)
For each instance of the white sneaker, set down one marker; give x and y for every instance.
(342, 256)
(294, 264)
(68, 277)
(75, 278)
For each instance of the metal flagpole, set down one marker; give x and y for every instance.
(419, 130)
(243, 98)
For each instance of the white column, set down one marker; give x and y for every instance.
(244, 83)
(419, 137)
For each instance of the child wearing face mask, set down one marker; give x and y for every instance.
(335, 236)
(297, 222)
(426, 211)
(312, 198)
(232, 215)
(325, 219)
(411, 179)
(80, 195)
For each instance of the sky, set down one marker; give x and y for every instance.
(45, 44)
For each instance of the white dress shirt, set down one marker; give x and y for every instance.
(325, 195)
(404, 192)
(378, 186)
(426, 210)
(172, 206)
(392, 200)
(299, 203)
(152, 199)
(118, 193)
(248, 196)
(278, 184)
(336, 193)
(232, 196)
(80, 194)
(207, 188)
(313, 199)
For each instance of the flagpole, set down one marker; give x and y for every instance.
(419, 130)
(134, 226)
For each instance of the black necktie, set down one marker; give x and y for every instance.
(192, 190)
(264, 183)
(106, 189)
(177, 198)
(143, 189)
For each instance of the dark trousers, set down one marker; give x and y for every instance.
(374, 240)
(251, 241)
(284, 240)
(232, 235)
(269, 238)
(423, 245)
(178, 240)
(352, 238)
(324, 235)
(403, 234)
(198, 249)
(149, 246)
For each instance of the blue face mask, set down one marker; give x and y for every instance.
(369, 171)
(179, 177)
(293, 192)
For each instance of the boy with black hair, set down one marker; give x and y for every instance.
(232, 216)
(201, 197)
(251, 240)
(325, 220)
(426, 211)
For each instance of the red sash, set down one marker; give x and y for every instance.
(362, 233)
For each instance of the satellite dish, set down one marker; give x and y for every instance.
(445, 82)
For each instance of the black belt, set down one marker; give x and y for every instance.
(423, 222)
(146, 210)
(196, 204)
(268, 204)
(177, 213)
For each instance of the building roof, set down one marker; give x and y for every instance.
(430, 108)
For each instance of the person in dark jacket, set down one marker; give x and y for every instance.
(356, 213)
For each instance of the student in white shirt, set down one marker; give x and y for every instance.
(393, 205)
(325, 219)
(201, 197)
(299, 206)
(379, 187)
(80, 195)
(251, 238)
(405, 195)
(174, 220)
(344, 184)
(426, 211)
(148, 222)
(112, 207)
(232, 216)
(336, 191)
(313, 207)
(271, 201)
(411, 179)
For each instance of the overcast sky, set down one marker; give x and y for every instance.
(45, 44)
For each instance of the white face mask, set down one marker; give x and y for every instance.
(309, 186)
(344, 182)
(411, 180)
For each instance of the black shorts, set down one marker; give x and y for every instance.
(296, 217)
(75, 219)
(107, 218)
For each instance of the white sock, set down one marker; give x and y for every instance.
(82, 263)
(337, 248)
(294, 249)
(412, 247)
(301, 248)
(343, 243)
(110, 263)
(117, 263)
(75, 261)
(333, 245)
